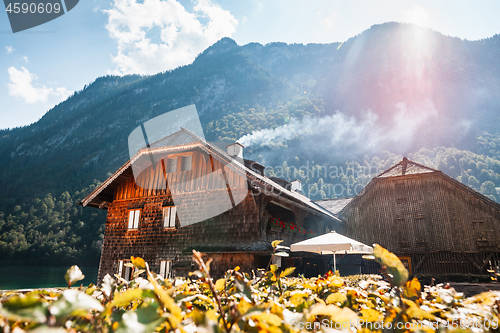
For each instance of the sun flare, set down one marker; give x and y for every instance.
(417, 15)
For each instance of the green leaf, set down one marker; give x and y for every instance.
(30, 308)
(335, 298)
(412, 289)
(268, 318)
(345, 316)
(287, 271)
(74, 303)
(197, 273)
(148, 316)
(130, 323)
(275, 243)
(46, 329)
(74, 274)
(220, 284)
(394, 266)
(137, 273)
(138, 262)
(370, 315)
(244, 288)
(413, 311)
(166, 301)
(124, 299)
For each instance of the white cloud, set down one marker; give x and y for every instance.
(9, 49)
(25, 58)
(21, 86)
(181, 36)
(330, 19)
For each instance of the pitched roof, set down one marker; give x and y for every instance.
(180, 141)
(179, 138)
(334, 206)
(406, 167)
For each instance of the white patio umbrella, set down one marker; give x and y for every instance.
(332, 243)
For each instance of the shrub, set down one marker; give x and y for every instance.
(239, 303)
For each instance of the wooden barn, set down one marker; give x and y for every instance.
(434, 223)
(190, 194)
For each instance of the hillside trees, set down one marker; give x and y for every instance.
(52, 231)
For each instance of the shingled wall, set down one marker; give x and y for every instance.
(232, 229)
(438, 222)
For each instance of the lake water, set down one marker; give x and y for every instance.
(28, 277)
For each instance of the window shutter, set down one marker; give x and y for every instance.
(173, 211)
(172, 165)
(168, 273)
(163, 267)
(128, 273)
(186, 163)
(131, 219)
(166, 217)
(136, 219)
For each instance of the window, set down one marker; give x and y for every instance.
(172, 165)
(169, 214)
(166, 269)
(133, 218)
(186, 162)
(400, 193)
(404, 245)
(125, 269)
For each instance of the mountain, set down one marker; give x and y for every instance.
(398, 76)
(85, 137)
(448, 84)
(395, 88)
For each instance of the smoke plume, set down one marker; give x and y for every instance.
(370, 133)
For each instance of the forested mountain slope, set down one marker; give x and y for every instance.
(352, 108)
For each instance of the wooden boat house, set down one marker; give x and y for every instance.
(433, 222)
(190, 194)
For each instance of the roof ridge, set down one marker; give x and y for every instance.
(352, 196)
(195, 136)
(404, 166)
(222, 155)
(472, 191)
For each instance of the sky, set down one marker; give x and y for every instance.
(44, 65)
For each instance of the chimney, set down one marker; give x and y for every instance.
(235, 150)
(296, 186)
(404, 165)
